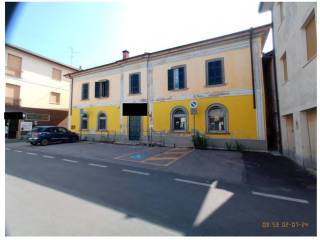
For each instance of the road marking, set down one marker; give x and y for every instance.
(137, 172)
(97, 165)
(30, 153)
(47, 156)
(68, 160)
(8, 148)
(17, 151)
(212, 185)
(280, 197)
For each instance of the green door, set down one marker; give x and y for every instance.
(134, 127)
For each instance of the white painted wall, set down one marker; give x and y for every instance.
(299, 93)
(36, 82)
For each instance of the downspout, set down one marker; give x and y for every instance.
(276, 86)
(71, 94)
(252, 74)
(148, 97)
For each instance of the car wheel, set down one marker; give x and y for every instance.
(33, 143)
(44, 142)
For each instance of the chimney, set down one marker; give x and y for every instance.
(125, 54)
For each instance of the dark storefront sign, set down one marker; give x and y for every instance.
(135, 109)
(37, 117)
(13, 115)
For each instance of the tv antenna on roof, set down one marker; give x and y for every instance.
(72, 54)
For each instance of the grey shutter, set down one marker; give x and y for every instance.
(170, 79)
(107, 88)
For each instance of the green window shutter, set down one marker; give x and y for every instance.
(170, 79)
(97, 90)
(181, 78)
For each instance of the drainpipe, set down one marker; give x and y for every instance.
(276, 86)
(148, 98)
(71, 94)
(252, 74)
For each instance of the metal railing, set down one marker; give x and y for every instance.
(13, 101)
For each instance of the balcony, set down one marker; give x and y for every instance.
(13, 72)
(15, 102)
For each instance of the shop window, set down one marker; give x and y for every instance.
(179, 119)
(216, 119)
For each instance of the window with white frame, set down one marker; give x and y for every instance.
(216, 118)
(179, 120)
(84, 121)
(102, 121)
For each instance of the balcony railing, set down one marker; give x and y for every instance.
(13, 101)
(13, 72)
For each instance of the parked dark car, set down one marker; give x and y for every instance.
(44, 135)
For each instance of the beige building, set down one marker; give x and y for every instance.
(36, 90)
(295, 44)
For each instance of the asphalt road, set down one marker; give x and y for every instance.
(48, 195)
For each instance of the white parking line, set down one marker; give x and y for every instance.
(97, 165)
(47, 156)
(136, 172)
(30, 153)
(17, 151)
(68, 160)
(212, 185)
(280, 197)
(8, 148)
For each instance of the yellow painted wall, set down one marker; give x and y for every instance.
(113, 118)
(237, 71)
(241, 116)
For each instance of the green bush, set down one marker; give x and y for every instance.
(200, 141)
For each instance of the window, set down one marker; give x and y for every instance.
(215, 72)
(176, 78)
(101, 89)
(12, 94)
(54, 98)
(216, 119)
(311, 36)
(102, 121)
(134, 86)
(85, 91)
(14, 66)
(285, 66)
(62, 130)
(56, 74)
(84, 121)
(179, 119)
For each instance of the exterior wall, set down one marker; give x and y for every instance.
(246, 123)
(36, 82)
(299, 93)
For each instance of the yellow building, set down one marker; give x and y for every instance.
(223, 76)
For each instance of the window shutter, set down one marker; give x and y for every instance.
(170, 79)
(97, 89)
(136, 83)
(85, 91)
(131, 83)
(181, 78)
(215, 72)
(106, 88)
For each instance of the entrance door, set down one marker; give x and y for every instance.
(134, 127)
(290, 135)
(312, 131)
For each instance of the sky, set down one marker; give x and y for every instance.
(98, 32)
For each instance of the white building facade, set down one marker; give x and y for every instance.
(35, 88)
(295, 45)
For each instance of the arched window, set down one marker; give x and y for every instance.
(216, 119)
(179, 119)
(84, 121)
(102, 121)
